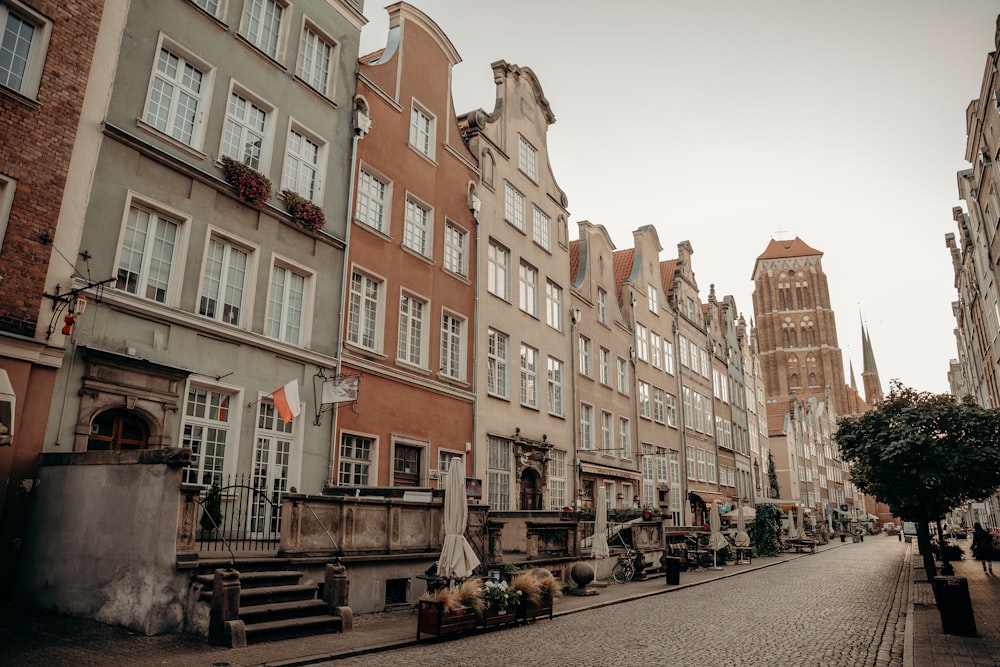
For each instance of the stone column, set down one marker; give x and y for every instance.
(225, 603)
(336, 591)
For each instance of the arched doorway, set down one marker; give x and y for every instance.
(531, 490)
(117, 429)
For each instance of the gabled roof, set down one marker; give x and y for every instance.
(371, 57)
(622, 261)
(777, 413)
(667, 274)
(783, 248)
(574, 259)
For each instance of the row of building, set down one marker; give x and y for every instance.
(410, 283)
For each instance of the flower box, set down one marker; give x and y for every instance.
(434, 619)
(530, 610)
(494, 617)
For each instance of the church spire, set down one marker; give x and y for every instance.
(854, 384)
(869, 376)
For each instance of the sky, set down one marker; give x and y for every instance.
(727, 123)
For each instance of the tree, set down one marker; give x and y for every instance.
(766, 527)
(923, 454)
(772, 477)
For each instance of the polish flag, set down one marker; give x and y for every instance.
(286, 401)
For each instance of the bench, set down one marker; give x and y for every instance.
(800, 546)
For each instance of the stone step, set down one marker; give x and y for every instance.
(257, 579)
(270, 594)
(292, 627)
(273, 611)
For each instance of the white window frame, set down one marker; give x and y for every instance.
(655, 350)
(418, 227)
(541, 228)
(308, 69)
(7, 188)
(557, 479)
(31, 76)
(368, 465)
(668, 356)
(423, 129)
(529, 376)
(706, 366)
(641, 342)
(210, 7)
(623, 383)
(453, 332)
(671, 410)
(499, 473)
(604, 366)
(456, 249)
(498, 270)
(514, 206)
(682, 348)
(248, 133)
(584, 348)
(178, 256)
(555, 385)
(282, 321)
(602, 305)
(255, 34)
(624, 438)
(702, 465)
(224, 299)
(652, 298)
(607, 433)
(411, 348)
(374, 200)
(528, 281)
(215, 418)
(366, 314)
(298, 164)
(497, 362)
(587, 426)
(645, 402)
(202, 97)
(553, 305)
(659, 405)
(527, 158)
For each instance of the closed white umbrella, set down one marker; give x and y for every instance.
(741, 539)
(458, 559)
(801, 528)
(716, 540)
(599, 545)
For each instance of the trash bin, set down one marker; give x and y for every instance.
(673, 566)
(955, 606)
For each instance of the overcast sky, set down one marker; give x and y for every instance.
(731, 122)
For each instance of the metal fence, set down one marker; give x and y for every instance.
(239, 517)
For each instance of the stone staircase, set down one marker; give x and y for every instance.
(273, 602)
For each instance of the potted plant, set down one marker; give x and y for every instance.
(250, 185)
(501, 603)
(450, 609)
(211, 515)
(538, 590)
(303, 211)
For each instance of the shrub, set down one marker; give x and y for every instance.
(303, 211)
(250, 185)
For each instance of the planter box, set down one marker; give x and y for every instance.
(529, 611)
(494, 617)
(434, 619)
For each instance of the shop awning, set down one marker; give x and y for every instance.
(607, 471)
(840, 511)
(708, 497)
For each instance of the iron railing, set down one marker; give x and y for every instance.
(239, 517)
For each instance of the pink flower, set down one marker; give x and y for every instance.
(303, 211)
(250, 185)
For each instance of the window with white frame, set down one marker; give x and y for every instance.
(541, 228)
(497, 355)
(305, 155)
(682, 348)
(710, 464)
(688, 412)
(702, 465)
(586, 426)
(641, 342)
(444, 462)
(671, 410)
(248, 129)
(224, 281)
(527, 158)
(585, 367)
(513, 206)
(699, 415)
(456, 249)
(529, 376)
(209, 433)
(498, 473)
(707, 406)
(23, 47)
(602, 305)
(694, 355)
(557, 479)
(356, 460)
(553, 305)
(452, 337)
(692, 471)
(498, 271)
(529, 289)
(648, 481)
(662, 474)
(286, 303)
(624, 438)
(149, 251)
(373, 201)
(7, 187)
(623, 376)
(365, 312)
(179, 95)
(261, 25)
(412, 325)
(316, 59)
(417, 228)
(659, 405)
(652, 297)
(607, 433)
(668, 356)
(719, 434)
(706, 366)
(555, 387)
(716, 389)
(422, 130)
(655, 350)
(210, 6)
(675, 486)
(604, 366)
(645, 407)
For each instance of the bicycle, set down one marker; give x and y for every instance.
(624, 569)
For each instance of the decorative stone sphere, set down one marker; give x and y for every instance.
(582, 573)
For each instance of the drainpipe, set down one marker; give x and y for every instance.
(685, 512)
(574, 319)
(474, 204)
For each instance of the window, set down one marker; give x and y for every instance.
(553, 305)
(527, 158)
(585, 356)
(668, 356)
(529, 289)
(541, 228)
(707, 405)
(210, 6)
(247, 130)
(702, 465)
(658, 405)
(555, 387)
(148, 253)
(23, 48)
(498, 474)
(604, 366)
(496, 363)
(607, 434)
(262, 25)
(586, 426)
(364, 311)
(422, 130)
(671, 410)
(304, 157)
(207, 427)
(178, 96)
(652, 296)
(452, 334)
(602, 306)
(641, 344)
(498, 271)
(655, 350)
(624, 438)
(373, 199)
(688, 413)
(710, 465)
(692, 471)
(115, 430)
(315, 58)
(513, 206)
(622, 376)
(411, 330)
(444, 462)
(682, 347)
(557, 479)
(286, 305)
(529, 376)
(224, 282)
(645, 409)
(456, 249)
(694, 355)
(417, 228)
(706, 367)
(648, 484)
(7, 187)
(407, 465)
(699, 424)
(356, 456)
(675, 486)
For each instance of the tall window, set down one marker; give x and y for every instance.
(682, 348)
(285, 305)
(602, 306)
(655, 350)
(456, 249)
(452, 333)
(303, 156)
(555, 387)
(699, 424)
(710, 464)
(688, 412)
(604, 366)
(529, 376)
(585, 366)
(668, 356)
(529, 289)
(527, 158)
(607, 433)
(148, 253)
(692, 470)
(675, 486)
(624, 438)
(671, 410)
(513, 206)
(407, 465)
(641, 343)
(210, 6)
(496, 363)
(553, 305)
(315, 58)
(422, 131)
(659, 403)
(622, 376)
(177, 97)
(417, 228)
(262, 25)
(706, 366)
(707, 406)
(372, 201)
(356, 456)
(208, 420)
(557, 479)
(652, 296)
(363, 312)
(411, 330)
(586, 426)
(498, 474)
(541, 228)
(498, 272)
(645, 406)
(23, 45)
(702, 466)
(244, 137)
(223, 282)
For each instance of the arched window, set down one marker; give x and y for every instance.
(793, 337)
(812, 379)
(784, 337)
(795, 380)
(117, 429)
(781, 299)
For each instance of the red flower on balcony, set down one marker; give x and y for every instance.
(251, 186)
(303, 211)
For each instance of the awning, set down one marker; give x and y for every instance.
(607, 471)
(840, 511)
(708, 497)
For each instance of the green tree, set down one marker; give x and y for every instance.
(766, 527)
(772, 477)
(923, 454)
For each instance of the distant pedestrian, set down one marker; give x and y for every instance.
(982, 546)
